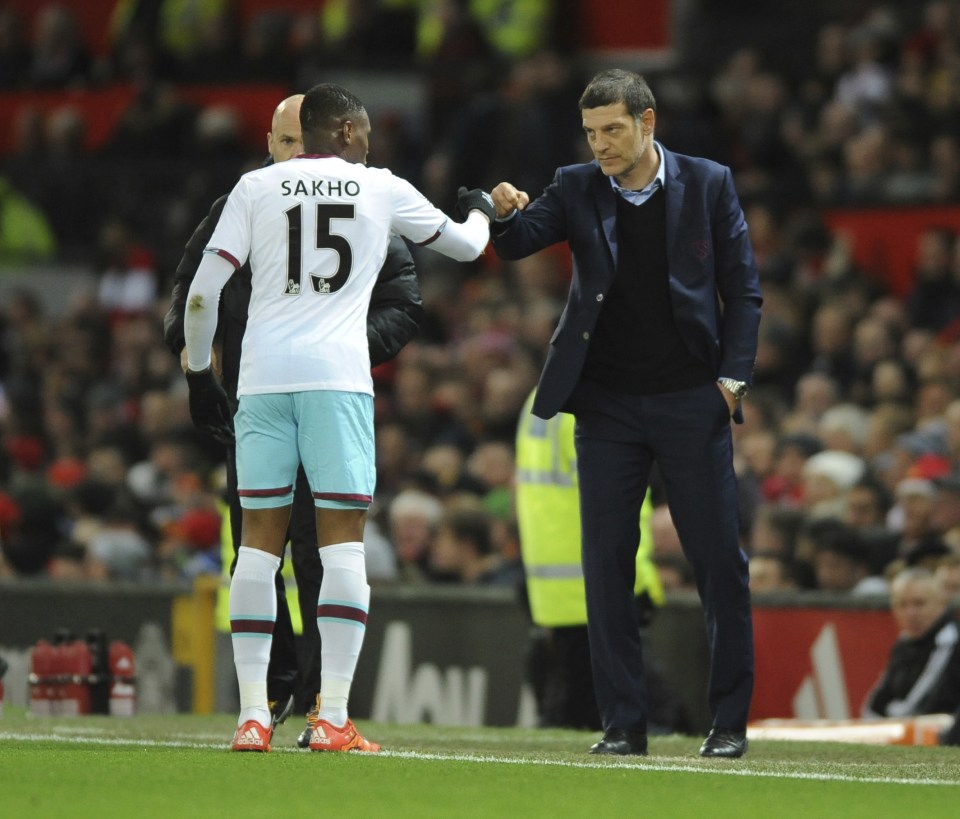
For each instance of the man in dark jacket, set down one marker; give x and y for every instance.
(393, 319)
(652, 354)
(923, 673)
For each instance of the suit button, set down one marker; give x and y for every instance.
(586, 336)
(599, 296)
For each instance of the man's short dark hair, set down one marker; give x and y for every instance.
(326, 105)
(616, 85)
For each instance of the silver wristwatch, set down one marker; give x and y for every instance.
(738, 388)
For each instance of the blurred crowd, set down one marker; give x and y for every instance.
(849, 459)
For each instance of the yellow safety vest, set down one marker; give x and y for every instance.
(222, 612)
(548, 515)
(514, 27)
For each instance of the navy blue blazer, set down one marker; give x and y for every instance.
(714, 284)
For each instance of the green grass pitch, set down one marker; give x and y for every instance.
(178, 765)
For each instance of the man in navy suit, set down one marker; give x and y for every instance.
(651, 355)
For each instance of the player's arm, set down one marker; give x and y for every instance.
(461, 241)
(209, 406)
(193, 253)
(396, 307)
(470, 205)
(203, 299)
(426, 226)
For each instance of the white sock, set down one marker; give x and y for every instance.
(342, 622)
(253, 612)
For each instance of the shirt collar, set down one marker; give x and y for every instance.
(659, 181)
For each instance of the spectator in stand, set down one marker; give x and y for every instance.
(874, 339)
(945, 512)
(208, 49)
(33, 522)
(886, 423)
(922, 675)
(267, 52)
(413, 517)
(892, 381)
(15, 50)
(484, 138)
(928, 555)
(843, 427)
(948, 575)
(186, 29)
(776, 529)
(756, 453)
(908, 451)
(60, 56)
(771, 572)
(827, 477)
(461, 551)
(815, 393)
(159, 122)
(128, 281)
(867, 505)
(935, 33)
(932, 399)
(785, 484)
(934, 300)
(832, 340)
(912, 514)
(492, 464)
(458, 60)
(356, 33)
(842, 562)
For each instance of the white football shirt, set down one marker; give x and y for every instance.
(315, 231)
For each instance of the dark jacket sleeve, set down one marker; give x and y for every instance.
(192, 254)
(396, 308)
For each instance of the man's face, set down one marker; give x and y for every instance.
(916, 604)
(618, 141)
(285, 140)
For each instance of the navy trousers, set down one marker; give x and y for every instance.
(687, 433)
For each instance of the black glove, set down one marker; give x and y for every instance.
(209, 406)
(477, 199)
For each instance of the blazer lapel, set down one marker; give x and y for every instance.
(674, 203)
(605, 197)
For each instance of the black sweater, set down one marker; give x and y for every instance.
(636, 347)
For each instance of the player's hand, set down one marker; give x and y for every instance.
(209, 406)
(508, 199)
(476, 199)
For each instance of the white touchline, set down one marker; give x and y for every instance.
(664, 764)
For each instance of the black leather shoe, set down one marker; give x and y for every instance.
(726, 744)
(617, 742)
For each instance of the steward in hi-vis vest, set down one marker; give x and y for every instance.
(548, 514)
